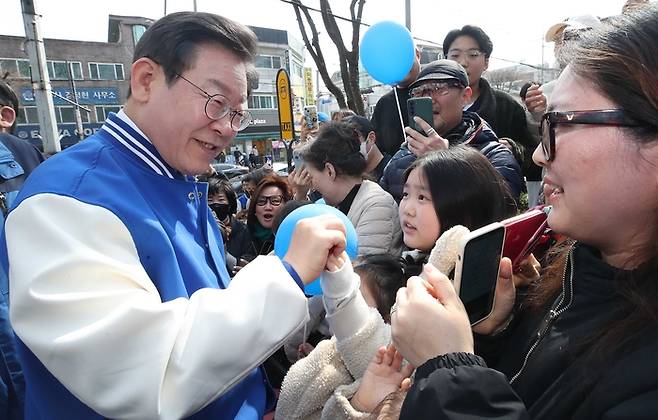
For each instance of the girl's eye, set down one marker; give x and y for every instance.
(421, 197)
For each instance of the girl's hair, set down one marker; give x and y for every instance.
(620, 58)
(268, 181)
(466, 189)
(383, 276)
(337, 143)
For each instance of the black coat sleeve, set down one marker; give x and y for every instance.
(460, 386)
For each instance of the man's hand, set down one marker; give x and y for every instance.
(424, 326)
(535, 100)
(313, 241)
(419, 144)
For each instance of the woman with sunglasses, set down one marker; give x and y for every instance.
(266, 202)
(582, 344)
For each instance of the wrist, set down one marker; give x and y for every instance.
(304, 275)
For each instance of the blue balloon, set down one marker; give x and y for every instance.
(387, 52)
(287, 226)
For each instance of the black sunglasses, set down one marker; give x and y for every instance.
(611, 117)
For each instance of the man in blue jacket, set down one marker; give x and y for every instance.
(446, 83)
(120, 297)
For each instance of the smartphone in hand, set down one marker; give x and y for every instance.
(311, 116)
(420, 107)
(476, 270)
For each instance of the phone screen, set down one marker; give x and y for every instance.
(479, 273)
(297, 159)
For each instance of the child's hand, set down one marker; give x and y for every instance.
(335, 263)
(304, 350)
(385, 374)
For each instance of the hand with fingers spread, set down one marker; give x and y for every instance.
(300, 181)
(535, 100)
(313, 241)
(385, 374)
(423, 326)
(420, 144)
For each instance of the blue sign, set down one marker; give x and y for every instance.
(67, 132)
(90, 96)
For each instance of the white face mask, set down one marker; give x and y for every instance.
(363, 149)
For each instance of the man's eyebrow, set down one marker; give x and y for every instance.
(223, 87)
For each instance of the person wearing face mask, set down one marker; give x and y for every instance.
(223, 203)
(336, 167)
(376, 161)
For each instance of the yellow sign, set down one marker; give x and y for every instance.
(308, 82)
(284, 96)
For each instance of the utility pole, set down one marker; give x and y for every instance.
(194, 5)
(407, 14)
(76, 107)
(41, 82)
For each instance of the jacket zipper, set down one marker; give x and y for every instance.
(553, 314)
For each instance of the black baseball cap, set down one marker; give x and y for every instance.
(442, 70)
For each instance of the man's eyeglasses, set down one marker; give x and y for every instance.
(471, 55)
(274, 200)
(217, 108)
(611, 117)
(434, 89)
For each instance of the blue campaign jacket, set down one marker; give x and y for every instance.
(177, 241)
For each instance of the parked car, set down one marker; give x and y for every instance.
(230, 170)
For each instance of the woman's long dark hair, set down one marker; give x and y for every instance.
(466, 189)
(621, 59)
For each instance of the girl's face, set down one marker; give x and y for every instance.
(418, 219)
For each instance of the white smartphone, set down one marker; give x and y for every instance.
(476, 270)
(297, 159)
(311, 116)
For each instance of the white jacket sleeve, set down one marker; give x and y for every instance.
(85, 306)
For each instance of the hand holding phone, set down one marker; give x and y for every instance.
(420, 107)
(477, 269)
(311, 116)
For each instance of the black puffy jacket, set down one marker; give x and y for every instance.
(544, 367)
(472, 131)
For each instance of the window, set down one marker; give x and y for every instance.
(262, 102)
(296, 69)
(16, 67)
(66, 114)
(106, 71)
(27, 115)
(103, 111)
(138, 31)
(57, 70)
(268, 61)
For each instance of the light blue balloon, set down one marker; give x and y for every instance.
(387, 52)
(287, 226)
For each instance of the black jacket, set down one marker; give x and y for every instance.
(386, 120)
(239, 243)
(548, 361)
(475, 133)
(507, 118)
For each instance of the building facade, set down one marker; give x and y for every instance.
(100, 73)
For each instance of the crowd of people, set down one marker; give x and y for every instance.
(139, 284)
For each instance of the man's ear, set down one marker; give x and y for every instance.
(467, 94)
(143, 73)
(7, 118)
(486, 64)
(372, 137)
